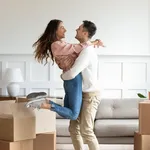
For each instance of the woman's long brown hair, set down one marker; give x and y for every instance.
(43, 44)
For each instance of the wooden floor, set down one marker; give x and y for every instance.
(102, 147)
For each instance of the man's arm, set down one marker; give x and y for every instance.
(80, 64)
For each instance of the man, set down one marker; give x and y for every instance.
(81, 130)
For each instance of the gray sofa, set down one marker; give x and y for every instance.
(115, 123)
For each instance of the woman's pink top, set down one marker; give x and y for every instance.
(65, 54)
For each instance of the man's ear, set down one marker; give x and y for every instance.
(86, 34)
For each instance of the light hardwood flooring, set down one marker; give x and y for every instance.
(102, 147)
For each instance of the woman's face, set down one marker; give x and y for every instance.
(60, 33)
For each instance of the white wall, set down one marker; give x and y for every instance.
(122, 24)
(118, 76)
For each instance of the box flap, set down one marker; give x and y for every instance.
(15, 109)
(145, 102)
(6, 116)
(22, 99)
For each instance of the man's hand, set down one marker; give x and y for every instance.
(98, 43)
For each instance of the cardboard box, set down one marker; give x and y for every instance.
(141, 142)
(144, 117)
(21, 145)
(149, 95)
(45, 141)
(16, 121)
(45, 119)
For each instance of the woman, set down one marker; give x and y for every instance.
(50, 44)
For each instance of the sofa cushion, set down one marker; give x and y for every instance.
(115, 127)
(58, 116)
(62, 127)
(118, 108)
(103, 128)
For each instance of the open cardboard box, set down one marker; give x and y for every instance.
(45, 119)
(16, 121)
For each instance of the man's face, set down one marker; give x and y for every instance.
(81, 33)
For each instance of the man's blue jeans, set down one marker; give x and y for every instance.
(72, 100)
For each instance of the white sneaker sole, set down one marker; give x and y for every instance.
(34, 100)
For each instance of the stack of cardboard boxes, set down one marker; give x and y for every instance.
(17, 126)
(142, 137)
(23, 128)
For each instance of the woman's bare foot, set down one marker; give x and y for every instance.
(46, 105)
(47, 100)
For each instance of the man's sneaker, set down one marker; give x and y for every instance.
(36, 103)
(36, 95)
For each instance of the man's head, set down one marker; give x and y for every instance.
(85, 31)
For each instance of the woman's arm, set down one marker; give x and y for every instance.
(63, 48)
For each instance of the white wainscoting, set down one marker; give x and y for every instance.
(118, 76)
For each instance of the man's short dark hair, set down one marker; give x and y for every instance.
(90, 27)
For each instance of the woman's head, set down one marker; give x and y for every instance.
(60, 32)
(54, 31)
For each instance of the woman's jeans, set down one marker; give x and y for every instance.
(72, 100)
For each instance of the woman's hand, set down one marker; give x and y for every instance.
(98, 43)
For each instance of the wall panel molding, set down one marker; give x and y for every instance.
(119, 76)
